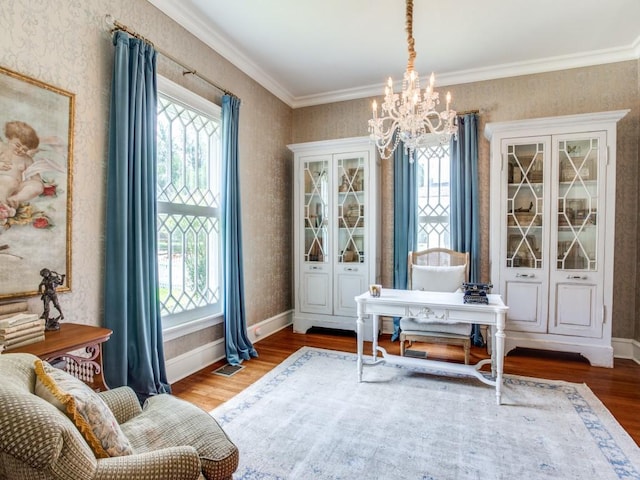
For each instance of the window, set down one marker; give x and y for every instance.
(188, 194)
(433, 171)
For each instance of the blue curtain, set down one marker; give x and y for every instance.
(238, 347)
(134, 355)
(465, 224)
(405, 219)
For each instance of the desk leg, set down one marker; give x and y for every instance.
(492, 348)
(375, 336)
(360, 342)
(499, 354)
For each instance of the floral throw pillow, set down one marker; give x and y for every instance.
(85, 408)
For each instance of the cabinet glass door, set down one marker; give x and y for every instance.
(316, 209)
(350, 181)
(525, 205)
(577, 204)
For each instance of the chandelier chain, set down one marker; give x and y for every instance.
(410, 40)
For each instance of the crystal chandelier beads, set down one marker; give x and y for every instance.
(411, 116)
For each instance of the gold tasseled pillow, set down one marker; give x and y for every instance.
(85, 408)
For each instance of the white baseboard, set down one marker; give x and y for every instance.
(267, 327)
(387, 325)
(626, 348)
(190, 362)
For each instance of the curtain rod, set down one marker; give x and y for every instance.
(468, 112)
(115, 25)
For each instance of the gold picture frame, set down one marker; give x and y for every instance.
(36, 159)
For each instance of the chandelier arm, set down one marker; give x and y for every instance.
(386, 128)
(431, 127)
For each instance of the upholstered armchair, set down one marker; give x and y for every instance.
(168, 438)
(436, 270)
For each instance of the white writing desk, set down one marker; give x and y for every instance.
(443, 307)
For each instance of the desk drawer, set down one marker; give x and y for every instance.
(386, 310)
(432, 313)
(472, 317)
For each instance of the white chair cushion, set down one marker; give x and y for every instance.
(437, 278)
(408, 325)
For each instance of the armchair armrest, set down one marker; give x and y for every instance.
(123, 402)
(176, 463)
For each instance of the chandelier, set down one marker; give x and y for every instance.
(411, 116)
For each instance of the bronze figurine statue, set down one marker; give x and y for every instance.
(47, 288)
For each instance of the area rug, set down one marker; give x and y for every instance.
(309, 418)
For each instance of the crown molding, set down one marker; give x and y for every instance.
(205, 33)
(551, 64)
(220, 45)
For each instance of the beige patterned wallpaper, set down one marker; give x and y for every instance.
(66, 43)
(637, 259)
(582, 90)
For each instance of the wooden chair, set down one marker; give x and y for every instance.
(438, 270)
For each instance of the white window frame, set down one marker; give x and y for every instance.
(190, 321)
(418, 156)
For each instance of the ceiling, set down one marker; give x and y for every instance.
(309, 52)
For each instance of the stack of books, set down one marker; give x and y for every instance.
(18, 327)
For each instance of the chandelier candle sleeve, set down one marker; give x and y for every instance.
(411, 117)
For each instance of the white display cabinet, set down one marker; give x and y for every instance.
(336, 230)
(552, 231)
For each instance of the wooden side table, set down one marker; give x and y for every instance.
(57, 346)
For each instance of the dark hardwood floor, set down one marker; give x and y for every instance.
(618, 388)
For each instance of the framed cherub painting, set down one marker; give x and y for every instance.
(36, 145)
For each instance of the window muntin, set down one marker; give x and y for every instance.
(188, 199)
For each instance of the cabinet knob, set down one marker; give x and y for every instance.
(525, 275)
(351, 269)
(576, 277)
